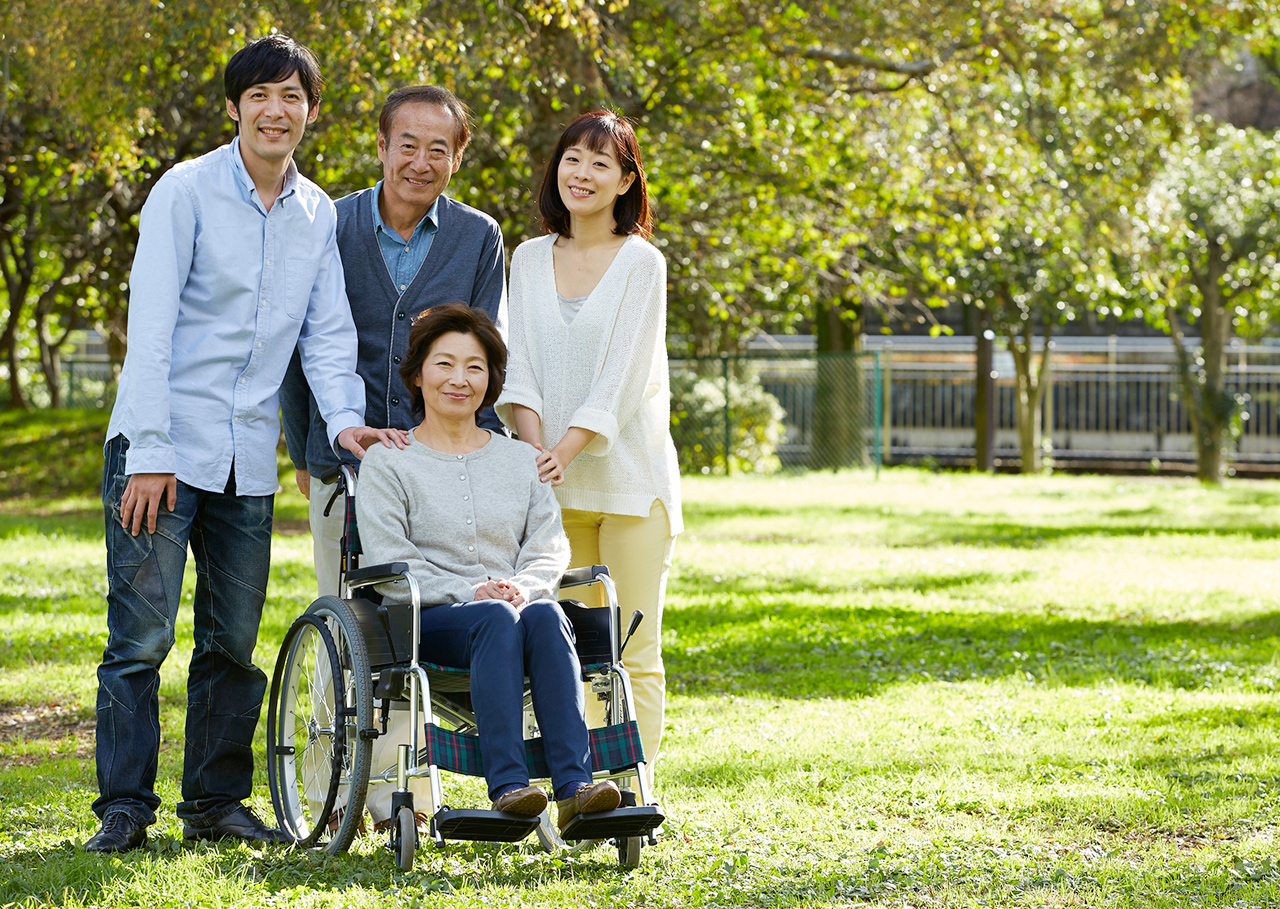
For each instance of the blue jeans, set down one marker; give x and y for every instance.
(500, 646)
(230, 537)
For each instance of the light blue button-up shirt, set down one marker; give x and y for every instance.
(404, 258)
(220, 294)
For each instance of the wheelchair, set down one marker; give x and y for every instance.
(347, 662)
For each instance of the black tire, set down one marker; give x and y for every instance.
(406, 841)
(629, 852)
(316, 757)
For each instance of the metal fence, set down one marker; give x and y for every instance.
(1108, 399)
(756, 412)
(753, 412)
(84, 382)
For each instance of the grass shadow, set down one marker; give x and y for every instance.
(805, 651)
(925, 528)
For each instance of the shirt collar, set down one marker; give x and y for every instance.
(246, 181)
(430, 221)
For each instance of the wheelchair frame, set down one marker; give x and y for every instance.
(339, 669)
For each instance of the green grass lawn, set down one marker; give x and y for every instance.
(923, 690)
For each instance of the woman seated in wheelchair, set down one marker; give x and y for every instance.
(464, 508)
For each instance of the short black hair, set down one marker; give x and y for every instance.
(441, 320)
(272, 58)
(599, 130)
(428, 94)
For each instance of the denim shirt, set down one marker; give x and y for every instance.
(404, 258)
(221, 292)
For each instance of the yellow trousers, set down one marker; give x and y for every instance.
(638, 552)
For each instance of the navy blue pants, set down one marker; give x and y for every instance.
(501, 646)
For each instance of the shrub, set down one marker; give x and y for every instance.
(697, 423)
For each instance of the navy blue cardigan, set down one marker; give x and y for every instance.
(464, 265)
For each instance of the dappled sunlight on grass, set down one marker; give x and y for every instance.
(926, 690)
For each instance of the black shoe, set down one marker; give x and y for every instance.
(119, 832)
(241, 824)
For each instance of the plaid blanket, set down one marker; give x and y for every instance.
(613, 749)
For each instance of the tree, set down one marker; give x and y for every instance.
(1204, 254)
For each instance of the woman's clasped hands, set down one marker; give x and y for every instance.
(501, 589)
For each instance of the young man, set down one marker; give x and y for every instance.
(406, 247)
(236, 266)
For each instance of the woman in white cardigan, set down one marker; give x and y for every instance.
(587, 380)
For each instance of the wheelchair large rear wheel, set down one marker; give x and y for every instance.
(320, 726)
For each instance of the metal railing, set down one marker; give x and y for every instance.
(84, 382)
(1107, 399)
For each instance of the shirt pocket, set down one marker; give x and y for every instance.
(300, 270)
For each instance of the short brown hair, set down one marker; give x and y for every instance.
(441, 320)
(428, 94)
(599, 130)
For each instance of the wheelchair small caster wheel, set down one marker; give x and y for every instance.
(629, 852)
(405, 841)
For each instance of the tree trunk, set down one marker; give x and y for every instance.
(1208, 405)
(984, 395)
(839, 430)
(51, 348)
(1215, 404)
(16, 293)
(1031, 385)
(16, 399)
(51, 364)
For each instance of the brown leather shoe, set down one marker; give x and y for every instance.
(603, 796)
(526, 802)
(336, 818)
(422, 819)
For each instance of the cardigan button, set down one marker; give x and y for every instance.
(396, 359)
(399, 315)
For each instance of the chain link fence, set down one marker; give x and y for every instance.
(757, 413)
(753, 413)
(83, 383)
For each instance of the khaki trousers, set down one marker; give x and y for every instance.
(638, 552)
(326, 541)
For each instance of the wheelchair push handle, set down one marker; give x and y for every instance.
(636, 618)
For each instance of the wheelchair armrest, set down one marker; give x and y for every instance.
(593, 632)
(377, 574)
(584, 575)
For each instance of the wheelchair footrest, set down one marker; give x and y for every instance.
(620, 822)
(489, 826)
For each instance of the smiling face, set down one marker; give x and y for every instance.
(454, 377)
(272, 118)
(418, 157)
(591, 181)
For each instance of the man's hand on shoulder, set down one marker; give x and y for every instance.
(356, 439)
(142, 497)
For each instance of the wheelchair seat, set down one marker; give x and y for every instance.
(348, 662)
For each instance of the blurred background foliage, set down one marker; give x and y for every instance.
(810, 162)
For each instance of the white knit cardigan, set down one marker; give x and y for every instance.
(606, 371)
